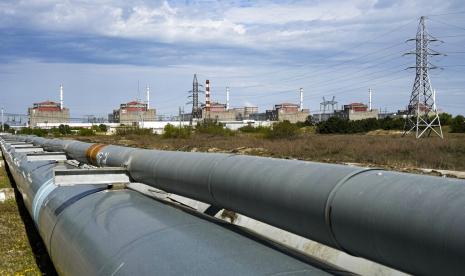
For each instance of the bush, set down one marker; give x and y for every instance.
(458, 124)
(213, 127)
(171, 131)
(127, 130)
(338, 125)
(64, 129)
(283, 129)
(102, 128)
(33, 131)
(392, 124)
(85, 132)
(333, 125)
(445, 118)
(251, 129)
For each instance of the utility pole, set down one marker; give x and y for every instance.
(422, 116)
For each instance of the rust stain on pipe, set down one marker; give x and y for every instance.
(92, 151)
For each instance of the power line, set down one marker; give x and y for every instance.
(448, 24)
(448, 13)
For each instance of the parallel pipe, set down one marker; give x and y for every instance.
(91, 230)
(414, 223)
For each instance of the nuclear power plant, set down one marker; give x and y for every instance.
(49, 114)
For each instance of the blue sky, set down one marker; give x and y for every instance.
(263, 50)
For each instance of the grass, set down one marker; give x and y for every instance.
(16, 256)
(4, 180)
(385, 150)
(22, 251)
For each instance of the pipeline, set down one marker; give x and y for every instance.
(97, 229)
(413, 223)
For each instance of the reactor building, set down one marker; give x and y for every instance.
(357, 111)
(132, 113)
(48, 112)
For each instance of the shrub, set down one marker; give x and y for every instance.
(333, 125)
(283, 129)
(213, 127)
(64, 129)
(338, 125)
(458, 124)
(171, 131)
(392, 124)
(252, 129)
(85, 132)
(445, 118)
(33, 131)
(127, 130)
(102, 128)
(6, 127)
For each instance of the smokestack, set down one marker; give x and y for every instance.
(148, 96)
(3, 123)
(227, 98)
(207, 95)
(61, 96)
(369, 101)
(301, 99)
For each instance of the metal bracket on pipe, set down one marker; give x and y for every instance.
(21, 145)
(107, 176)
(46, 156)
(29, 149)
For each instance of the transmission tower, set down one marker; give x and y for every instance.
(327, 105)
(422, 115)
(196, 111)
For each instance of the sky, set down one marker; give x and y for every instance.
(106, 52)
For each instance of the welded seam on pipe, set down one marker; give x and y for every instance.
(329, 202)
(76, 198)
(39, 198)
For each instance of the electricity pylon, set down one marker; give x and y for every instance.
(422, 116)
(196, 111)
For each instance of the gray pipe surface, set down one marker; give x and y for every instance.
(91, 230)
(414, 223)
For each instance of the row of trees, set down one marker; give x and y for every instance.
(279, 130)
(336, 125)
(63, 130)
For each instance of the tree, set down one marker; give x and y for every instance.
(64, 129)
(6, 127)
(103, 128)
(445, 118)
(458, 124)
(171, 131)
(284, 129)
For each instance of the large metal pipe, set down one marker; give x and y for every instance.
(414, 223)
(93, 230)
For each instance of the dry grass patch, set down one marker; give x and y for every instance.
(390, 151)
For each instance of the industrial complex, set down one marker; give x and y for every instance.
(137, 112)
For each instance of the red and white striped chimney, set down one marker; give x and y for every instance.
(207, 95)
